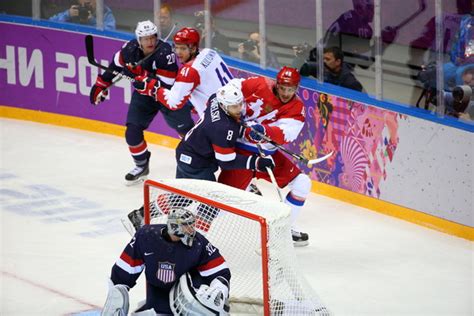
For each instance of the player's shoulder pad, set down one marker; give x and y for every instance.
(129, 50)
(149, 232)
(165, 47)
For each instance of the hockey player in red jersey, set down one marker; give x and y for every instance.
(201, 74)
(275, 111)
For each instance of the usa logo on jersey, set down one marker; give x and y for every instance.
(165, 272)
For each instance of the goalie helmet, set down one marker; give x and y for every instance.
(145, 28)
(188, 36)
(229, 95)
(288, 76)
(181, 224)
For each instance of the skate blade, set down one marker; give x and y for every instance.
(137, 181)
(300, 243)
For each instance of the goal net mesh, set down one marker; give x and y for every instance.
(252, 233)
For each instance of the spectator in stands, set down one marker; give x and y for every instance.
(84, 12)
(336, 71)
(250, 51)
(427, 39)
(168, 27)
(219, 42)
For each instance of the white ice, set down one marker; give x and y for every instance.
(62, 197)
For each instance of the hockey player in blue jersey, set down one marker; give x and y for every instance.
(167, 252)
(210, 143)
(161, 63)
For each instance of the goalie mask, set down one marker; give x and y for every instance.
(181, 224)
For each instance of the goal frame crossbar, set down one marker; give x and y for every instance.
(261, 220)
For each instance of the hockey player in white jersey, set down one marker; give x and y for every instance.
(202, 72)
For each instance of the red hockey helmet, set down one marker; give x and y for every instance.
(188, 36)
(288, 76)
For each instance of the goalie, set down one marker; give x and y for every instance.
(171, 254)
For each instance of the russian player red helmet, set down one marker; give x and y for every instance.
(288, 76)
(188, 36)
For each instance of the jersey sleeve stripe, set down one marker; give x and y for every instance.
(130, 261)
(223, 150)
(128, 268)
(213, 266)
(166, 73)
(225, 157)
(118, 60)
(166, 80)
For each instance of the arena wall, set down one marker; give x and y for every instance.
(388, 157)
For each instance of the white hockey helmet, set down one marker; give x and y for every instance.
(145, 28)
(229, 95)
(181, 224)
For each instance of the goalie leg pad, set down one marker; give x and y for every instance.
(117, 302)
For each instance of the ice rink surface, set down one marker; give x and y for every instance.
(62, 197)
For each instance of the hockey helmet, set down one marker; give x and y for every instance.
(181, 224)
(145, 28)
(188, 36)
(288, 76)
(229, 95)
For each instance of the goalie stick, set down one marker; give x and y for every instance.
(309, 162)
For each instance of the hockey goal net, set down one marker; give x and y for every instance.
(253, 235)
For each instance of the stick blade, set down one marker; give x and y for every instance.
(320, 159)
(89, 40)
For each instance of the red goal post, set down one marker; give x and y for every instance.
(254, 236)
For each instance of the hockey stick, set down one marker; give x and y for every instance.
(270, 172)
(309, 162)
(414, 15)
(90, 57)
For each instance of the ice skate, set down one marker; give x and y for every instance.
(137, 175)
(300, 239)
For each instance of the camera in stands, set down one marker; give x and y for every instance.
(85, 10)
(302, 50)
(249, 45)
(456, 101)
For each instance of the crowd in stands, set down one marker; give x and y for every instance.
(356, 22)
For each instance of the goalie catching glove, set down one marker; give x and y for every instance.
(99, 91)
(210, 299)
(146, 86)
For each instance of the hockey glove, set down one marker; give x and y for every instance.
(146, 85)
(254, 133)
(215, 295)
(261, 164)
(99, 91)
(136, 70)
